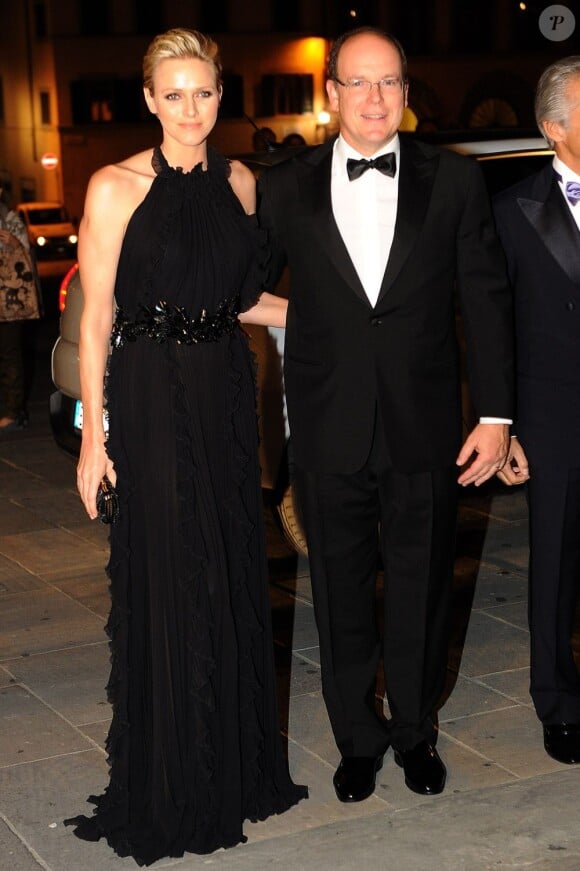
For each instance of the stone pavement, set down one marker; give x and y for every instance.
(506, 804)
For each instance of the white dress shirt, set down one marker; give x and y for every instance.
(365, 211)
(566, 174)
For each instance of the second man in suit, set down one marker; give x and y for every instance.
(378, 233)
(539, 225)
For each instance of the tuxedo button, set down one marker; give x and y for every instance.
(376, 322)
(570, 306)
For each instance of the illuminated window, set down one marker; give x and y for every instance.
(101, 101)
(287, 94)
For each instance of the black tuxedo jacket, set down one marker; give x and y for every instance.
(542, 245)
(343, 358)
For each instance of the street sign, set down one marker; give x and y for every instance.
(49, 161)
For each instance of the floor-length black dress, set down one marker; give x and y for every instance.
(194, 746)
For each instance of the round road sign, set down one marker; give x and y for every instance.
(49, 161)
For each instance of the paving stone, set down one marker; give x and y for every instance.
(309, 727)
(14, 517)
(15, 579)
(90, 588)
(466, 771)
(32, 731)
(40, 621)
(55, 505)
(485, 584)
(73, 685)
(310, 654)
(37, 797)
(322, 805)
(51, 553)
(511, 738)
(92, 532)
(470, 697)
(5, 678)
(97, 732)
(293, 622)
(514, 683)
(15, 855)
(515, 825)
(491, 645)
(515, 614)
(299, 586)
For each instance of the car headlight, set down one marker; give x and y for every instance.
(73, 239)
(41, 241)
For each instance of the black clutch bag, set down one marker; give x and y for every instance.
(107, 502)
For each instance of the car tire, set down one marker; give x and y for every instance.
(292, 522)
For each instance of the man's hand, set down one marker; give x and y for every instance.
(484, 453)
(516, 469)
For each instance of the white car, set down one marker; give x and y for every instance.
(52, 237)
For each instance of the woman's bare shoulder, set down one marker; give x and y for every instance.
(243, 185)
(124, 183)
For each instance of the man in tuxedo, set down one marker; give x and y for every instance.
(539, 225)
(378, 232)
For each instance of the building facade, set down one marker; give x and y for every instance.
(70, 77)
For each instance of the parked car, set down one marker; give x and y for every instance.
(52, 237)
(503, 162)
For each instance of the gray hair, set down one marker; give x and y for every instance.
(552, 103)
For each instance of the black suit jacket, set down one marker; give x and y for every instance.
(344, 357)
(542, 245)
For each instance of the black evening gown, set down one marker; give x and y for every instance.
(194, 747)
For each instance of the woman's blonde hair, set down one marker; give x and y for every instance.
(180, 43)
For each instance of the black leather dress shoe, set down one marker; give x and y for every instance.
(562, 742)
(424, 770)
(355, 777)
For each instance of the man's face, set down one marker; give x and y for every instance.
(368, 120)
(567, 138)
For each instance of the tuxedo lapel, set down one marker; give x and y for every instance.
(314, 179)
(416, 177)
(550, 217)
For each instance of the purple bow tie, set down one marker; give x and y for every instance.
(573, 191)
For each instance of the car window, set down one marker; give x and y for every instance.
(52, 215)
(503, 170)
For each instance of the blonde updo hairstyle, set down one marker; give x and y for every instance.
(180, 43)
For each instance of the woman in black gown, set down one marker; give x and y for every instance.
(194, 747)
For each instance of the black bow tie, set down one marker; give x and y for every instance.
(385, 163)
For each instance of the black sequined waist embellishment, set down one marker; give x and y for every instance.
(163, 322)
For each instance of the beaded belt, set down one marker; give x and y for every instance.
(162, 322)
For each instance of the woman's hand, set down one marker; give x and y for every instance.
(269, 311)
(93, 465)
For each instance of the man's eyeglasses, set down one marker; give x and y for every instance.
(363, 86)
